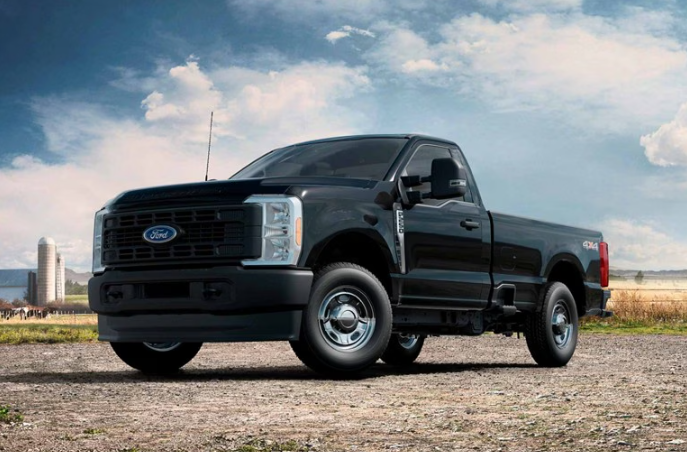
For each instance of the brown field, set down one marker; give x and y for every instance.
(652, 301)
(619, 393)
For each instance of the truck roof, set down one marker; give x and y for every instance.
(360, 137)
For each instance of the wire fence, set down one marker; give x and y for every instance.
(640, 304)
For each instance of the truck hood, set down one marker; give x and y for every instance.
(226, 191)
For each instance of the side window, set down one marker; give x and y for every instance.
(458, 156)
(421, 163)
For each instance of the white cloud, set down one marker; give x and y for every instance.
(69, 126)
(667, 146)
(102, 154)
(594, 71)
(187, 98)
(334, 36)
(645, 21)
(400, 49)
(637, 245)
(135, 81)
(421, 65)
(157, 109)
(345, 32)
(300, 102)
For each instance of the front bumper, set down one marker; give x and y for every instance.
(199, 305)
(270, 326)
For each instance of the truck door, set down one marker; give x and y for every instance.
(446, 243)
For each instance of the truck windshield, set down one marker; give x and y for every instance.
(366, 158)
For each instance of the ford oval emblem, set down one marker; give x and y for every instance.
(159, 234)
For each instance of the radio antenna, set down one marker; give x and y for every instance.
(207, 166)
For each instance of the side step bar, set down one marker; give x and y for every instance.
(503, 300)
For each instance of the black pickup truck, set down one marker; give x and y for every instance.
(352, 248)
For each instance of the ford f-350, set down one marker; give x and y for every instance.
(352, 249)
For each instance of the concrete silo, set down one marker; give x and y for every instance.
(46, 271)
(59, 278)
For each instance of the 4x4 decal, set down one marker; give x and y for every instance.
(590, 245)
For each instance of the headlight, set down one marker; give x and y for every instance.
(282, 221)
(98, 240)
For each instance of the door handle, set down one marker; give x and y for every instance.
(469, 224)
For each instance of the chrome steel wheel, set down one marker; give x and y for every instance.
(162, 346)
(408, 341)
(561, 324)
(551, 332)
(346, 325)
(347, 319)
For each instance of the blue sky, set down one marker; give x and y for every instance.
(568, 110)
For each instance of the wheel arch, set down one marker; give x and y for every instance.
(567, 269)
(366, 248)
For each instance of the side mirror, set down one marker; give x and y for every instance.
(449, 179)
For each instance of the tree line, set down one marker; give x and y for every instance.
(74, 288)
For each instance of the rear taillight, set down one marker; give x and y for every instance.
(605, 265)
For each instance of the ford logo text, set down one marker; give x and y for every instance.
(159, 234)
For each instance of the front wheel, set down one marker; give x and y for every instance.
(347, 323)
(403, 349)
(551, 333)
(156, 357)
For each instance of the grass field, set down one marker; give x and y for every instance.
(53, 330)
(46, 333)
(618, 327)
(82, 299)
(654, 307)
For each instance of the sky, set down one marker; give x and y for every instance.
(571, 111)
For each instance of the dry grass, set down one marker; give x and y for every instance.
(640, 305)
(658, 307)
(67, 319)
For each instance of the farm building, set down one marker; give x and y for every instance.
(14, 284)
(38, 287)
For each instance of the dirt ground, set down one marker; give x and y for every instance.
(484, 393)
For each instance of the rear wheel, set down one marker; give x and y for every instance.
(156, 357)
(403, 349)
(347, 323)
(551, 333)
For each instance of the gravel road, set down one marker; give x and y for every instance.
(484, 393)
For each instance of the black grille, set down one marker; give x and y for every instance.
(203, 233)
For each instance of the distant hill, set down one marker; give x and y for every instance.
(81, 278)
(657, 274)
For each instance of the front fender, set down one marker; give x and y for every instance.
(325, 222)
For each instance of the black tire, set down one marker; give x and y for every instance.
(403, 349)
(552, 343)
(356, 321)
(156, 359)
